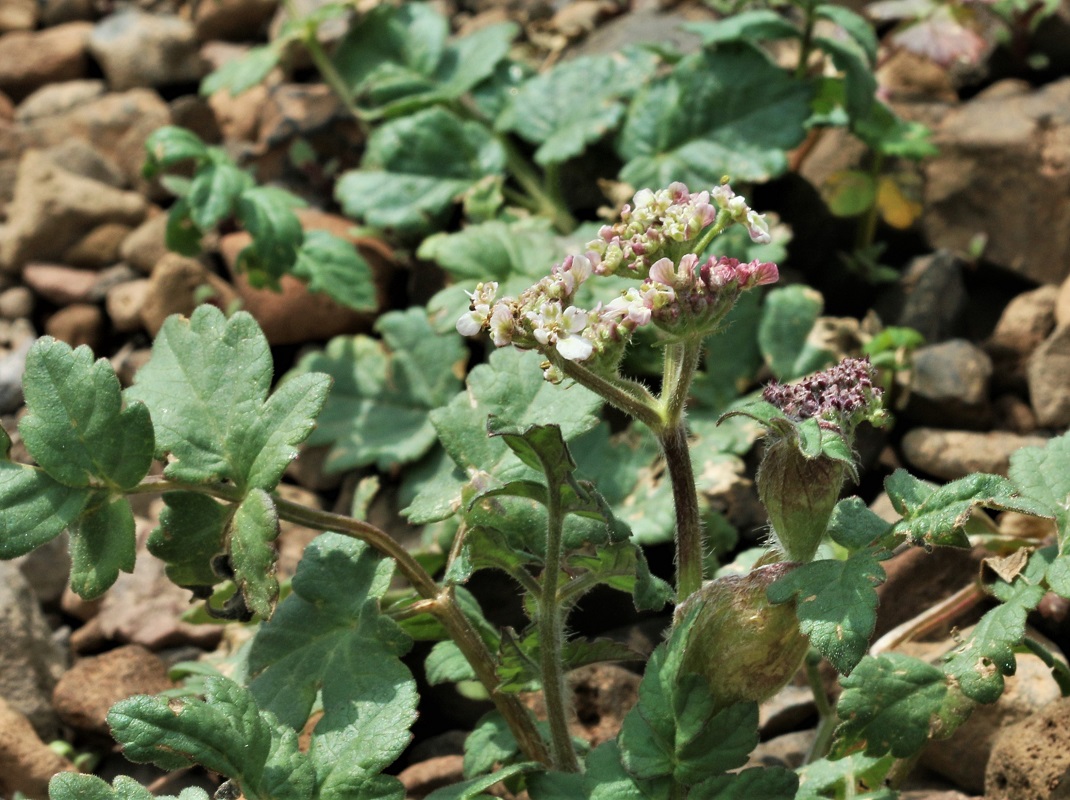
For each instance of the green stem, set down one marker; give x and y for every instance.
(551, 625)
(807, 43)
(628, 396)
(827, 720)
(443, 607)
(681, 361)
(689, 538)
(528, 177)
(867, 225)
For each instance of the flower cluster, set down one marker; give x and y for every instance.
(654, 221)
(840, 396)
(681, 297)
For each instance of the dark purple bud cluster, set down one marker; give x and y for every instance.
(841, 394)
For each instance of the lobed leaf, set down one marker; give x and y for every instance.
(170, 145)
(206, 387)
(769, 783)
(1043, 474)
(76, 428)
(251, 531)
(76, 786)
(225, 732)
(103, 544)
(788, 316)
(328, 639)
(334, 266)
(37, 508)
(838, 778)
(383, 390)
(215, 191)
(243, 73)
(266, 212)
(490, 742)
(836, 602)
(189, 537)
(854, 526)
(473, 788)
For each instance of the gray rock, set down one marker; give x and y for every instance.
(953, 454)
(138, 49)
(16, 339)
(950, 385)
(58, 98)
(1048, 373)
(47, 569)
(146, 244)
(933, 296)
(30, 661)
(54, 208)
(1004, 168)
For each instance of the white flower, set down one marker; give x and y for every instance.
(563, 329)
(476, 317)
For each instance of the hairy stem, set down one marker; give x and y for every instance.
(689, 537)
(551, 625)
(443, 605)
(630, 397)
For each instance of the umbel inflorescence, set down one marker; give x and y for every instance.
(657, 242)
(838, 397)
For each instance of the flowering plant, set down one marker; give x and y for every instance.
(327, 659)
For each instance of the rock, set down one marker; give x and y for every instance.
(146, 244)
(977, 182)
(26, 762)
(16, 303)
(195, 114)
(32, 59)
(1062, 305)
(933, 297)
(239, 117)
(423, 778)
(787, 750)
(16, 339)
(911, 78)
(58, 284)
(1014, 414)
(139, 49)
(77, 324)
(94, 684)
(1031, 760)
(603, 694)
(174, 288)
(18, 15)
(1025, 323)
(56, 12)
(953, 454)
(47, 569)
(950, 385)
(99, 248)
(298, 109)
(233, 19)
(78, 157)
(964, 757)
(108, 279)
(1047, 372)
(30, 661)
(115, 125)
(54, 208)
(58, 98)
(124, 304)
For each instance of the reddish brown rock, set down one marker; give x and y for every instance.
(26, 763)
(176, 287)
(232, 19)
(423, 778)
(953, 454)
(94, 684)
(59, 284)
(31, 59)
(99, 248)
(77, 324)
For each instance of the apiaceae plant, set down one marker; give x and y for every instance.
(320, 702)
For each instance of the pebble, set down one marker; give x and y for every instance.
(953, 454)
(26, 763)
(77, 324)
(32, 59)
(1031, 759)
(950, 384)
(99, 248)
(174, 287)
(16, 303)
(1049, 386)
(139, 49)
(94, 684)
(143, 248)
(59, 284)
(124, 304)
(1026, 321)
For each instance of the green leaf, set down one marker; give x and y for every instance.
(509, 386)
(165, 147)
(206, 387)
(544, 110)
(856, 26)
(242, 73)
(447, 664)
(473, 789)
(854, 526)
(469, 60)
(415, 168)
(37, 508)
(267, 214)
(76, 428)
(860, 84)
(181, 234)
(836, 778)
(788, 316)
(603, 779)
(225, 732)
(328, 639)
(849, 193)
(75, 786)
(334, 266)
(189, 536)
(377, 411)
(730, 111)
(1043, 474)
(214, 192)
(252, 531)
(836, 602)
(103, 543)
(888, 704)
(490, 742)
(937, 517)
(748, 26)
(541, 447)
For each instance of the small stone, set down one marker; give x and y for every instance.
(1047, 373)
(47, 569)
(58, 284)
(233, 19)
(26, 763)
(16, 303)
(135, 49)
(934, 296)
(1062, 305)
(32, 59)
(99, 248)
(1014, 414)
(16, 339)
(93, 685)
(143, 248)
(53, 209)
(77, 324)
(1031, 760)
(108, 279)
(1026, 321)
(787, 750)
(82, 159)
(954, 454)
(194, 113)
(124, 303)
(58, 98)
(239, 117)
(175, 288)
(18, 15)
(423, 778)
(950, 384)
(56, 12)
(298, 109)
